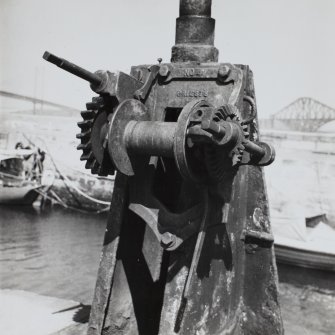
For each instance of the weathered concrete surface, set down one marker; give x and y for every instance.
(76, 329)
(307, 310)
(23, 312)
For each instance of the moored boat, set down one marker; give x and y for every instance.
(21, 175)
(76, 189)
(305, 243)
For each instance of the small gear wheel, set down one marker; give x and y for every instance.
(221, 159)
(93, 136)
(230, 113)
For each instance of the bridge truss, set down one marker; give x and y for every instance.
(305, 114)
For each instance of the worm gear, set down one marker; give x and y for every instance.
(93, 136)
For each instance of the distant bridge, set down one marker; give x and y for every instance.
(34, 100)
(305, 114)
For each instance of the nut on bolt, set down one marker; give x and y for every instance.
(164, 71)
(223, 72)
(168, 240)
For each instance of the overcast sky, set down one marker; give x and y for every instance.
(289, 44)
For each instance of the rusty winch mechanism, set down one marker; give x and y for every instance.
(188, 247)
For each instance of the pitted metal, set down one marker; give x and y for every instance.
(195, 33)
(204, 142)
(142, 92)
(188, 245)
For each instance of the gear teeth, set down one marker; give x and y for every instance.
(88, 115)
(97, 103)
(102, 172)
(236, 160)
(87, 124)
(92, 105)
(83, 135)
(98, 100)
(235, 152)
(85, 146)
(88, 156)
(216, 160)
(89, 164)
(95, 167)
(224, 113)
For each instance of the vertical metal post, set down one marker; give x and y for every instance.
(195, 33)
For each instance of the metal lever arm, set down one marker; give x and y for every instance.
(78, 71)
(118, 84)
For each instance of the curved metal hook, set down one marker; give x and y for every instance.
(252, 103)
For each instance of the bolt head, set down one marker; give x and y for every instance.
(168, 240)
(223, 71)
(164, 71)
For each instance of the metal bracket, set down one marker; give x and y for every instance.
(141, 93)
(170, 229)
(260, 238)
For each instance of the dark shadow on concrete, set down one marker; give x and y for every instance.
(82, 315)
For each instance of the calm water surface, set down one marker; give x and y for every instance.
(53, 253)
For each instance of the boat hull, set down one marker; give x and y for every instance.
(305, 258)
(23, 195)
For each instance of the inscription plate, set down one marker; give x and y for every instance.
(192, 93)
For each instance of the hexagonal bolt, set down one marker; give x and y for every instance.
(168, 240)
(223, 72)
(164, 71)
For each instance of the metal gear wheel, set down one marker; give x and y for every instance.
(230, 113)
(219, 159)
(93, 136)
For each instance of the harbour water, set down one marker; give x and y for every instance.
(56, 253)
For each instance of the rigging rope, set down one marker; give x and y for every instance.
(66, 181)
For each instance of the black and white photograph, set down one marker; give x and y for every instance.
(167, 167)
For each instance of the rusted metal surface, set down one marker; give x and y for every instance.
(188, 247)
(72, 68)
(195, 33)
(108, 258)
(204, 285)
(144, 90)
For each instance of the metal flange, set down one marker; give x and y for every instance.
(127, 111)
(183, 154)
